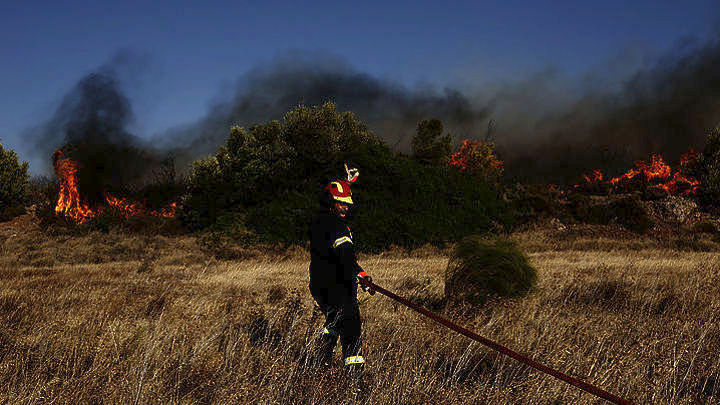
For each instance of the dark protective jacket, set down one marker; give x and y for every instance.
(333, 265)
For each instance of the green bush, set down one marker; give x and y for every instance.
(272, 160)
(479, 269)
(408, 204)
(13, 184)
(429, 146)
(203, 197)
(270, 177)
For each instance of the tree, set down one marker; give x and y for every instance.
(13, 184)
(273, 161)
(429, 146)
(264, 184)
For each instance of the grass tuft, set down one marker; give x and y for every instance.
(480, 268)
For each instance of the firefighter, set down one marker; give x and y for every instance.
(333, 275)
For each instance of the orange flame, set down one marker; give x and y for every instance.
(474, 155)
(129, 208)
(595, 177)
(70, 204)
(657, 171)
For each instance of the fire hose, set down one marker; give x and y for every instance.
(599, 392)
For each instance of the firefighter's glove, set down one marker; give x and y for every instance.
(352, 173)
(365, 276)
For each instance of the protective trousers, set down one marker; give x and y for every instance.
(342, 319)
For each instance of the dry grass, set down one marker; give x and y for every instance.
(139, 319)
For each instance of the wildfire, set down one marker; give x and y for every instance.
(476, 157)
(655, 173)
(595, 177)
(71, 205)
(129, 208)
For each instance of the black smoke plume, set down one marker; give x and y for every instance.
(90, 127)
(268, 91)
(548, 129)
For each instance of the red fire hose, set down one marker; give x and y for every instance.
(498, 347)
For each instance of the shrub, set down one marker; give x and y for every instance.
(479, 269)
(197, 207)
(270, 177)
(272, 160)
(532, 201)
(13, 184)
(408, 204)
(631, 214)
(428, 145)
(628, 211)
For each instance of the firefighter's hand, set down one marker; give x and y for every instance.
(365, 276)
(352, 173)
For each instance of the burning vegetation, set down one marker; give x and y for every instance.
(104, 168)
(655, 173)
(69, 204)
(101, 167)
(652, 196)
(73, 206)
(230, 189)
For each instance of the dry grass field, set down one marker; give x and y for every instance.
(113, 318)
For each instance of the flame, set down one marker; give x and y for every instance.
(475, 155)
(71, 205)
(657, 169)
(129, 208)
(595, 177)
(656, 173)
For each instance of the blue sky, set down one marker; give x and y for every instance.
(195, 49)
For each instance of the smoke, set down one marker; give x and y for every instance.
(90, 126)
(666, 107)
(268, 91)
(548, 128)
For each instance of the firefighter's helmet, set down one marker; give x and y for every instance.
(339, 191)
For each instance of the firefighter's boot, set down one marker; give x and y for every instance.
(354, 366)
